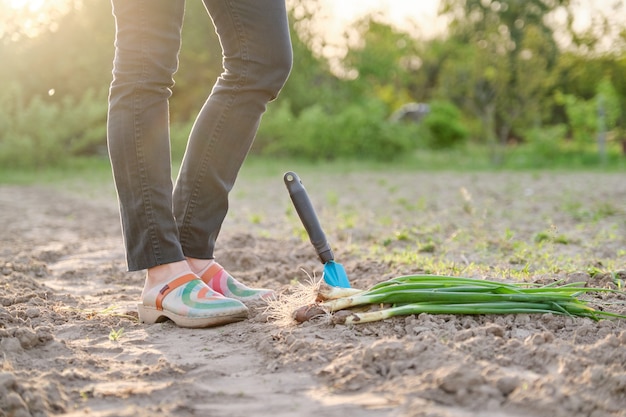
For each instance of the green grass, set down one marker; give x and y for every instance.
(468, 158)
(93, 170)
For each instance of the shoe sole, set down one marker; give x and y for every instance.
(151, 315)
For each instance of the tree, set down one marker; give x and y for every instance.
(68, 56)
(311, 82)
(506, 53)
(385, 63)
(200, 63)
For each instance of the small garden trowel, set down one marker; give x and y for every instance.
(334, 273)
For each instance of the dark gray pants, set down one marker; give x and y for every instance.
(163, 222)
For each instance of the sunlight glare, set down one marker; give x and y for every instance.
(30, 5)
(29, 18)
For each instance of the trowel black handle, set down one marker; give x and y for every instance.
(307, 215)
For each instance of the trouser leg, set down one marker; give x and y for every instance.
(257, 57)
(146, 57)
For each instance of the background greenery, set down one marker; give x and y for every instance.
(502, 91)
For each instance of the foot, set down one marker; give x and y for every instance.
(188, 302)
(214, 275)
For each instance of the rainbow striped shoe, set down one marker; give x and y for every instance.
(189, 302)
(221, 281)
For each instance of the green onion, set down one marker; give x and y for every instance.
(437, 294)
(571, 309)
(405, 296)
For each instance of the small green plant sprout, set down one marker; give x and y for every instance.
(604, 210)
(290, 212)
(255, 218)
(593, 270)
(411, 205)
(427, 247)
(85, 394)
(115, 335)
(552, 236)
(403, 202)
(348, 220)
(561, 239)
(332, 198)
(542, 236)
(402, 235)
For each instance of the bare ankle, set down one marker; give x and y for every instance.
(198, 265)
(163, 273)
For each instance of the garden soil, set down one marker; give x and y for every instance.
(71, 344)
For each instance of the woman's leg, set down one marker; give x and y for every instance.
(146, 57)
(147, 44)
(254, 35)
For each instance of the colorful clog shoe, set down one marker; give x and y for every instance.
(189, 302)
(221, 281)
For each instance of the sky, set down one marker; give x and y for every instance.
(420, 17)
(400, 12)
(424, 12)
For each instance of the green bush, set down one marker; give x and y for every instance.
(359, 131)
(582, 118)
(45, 132)
(444, 126)
(276, 125)
(179, 136)
(546, 142)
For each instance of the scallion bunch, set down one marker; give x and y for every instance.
(437, 294)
